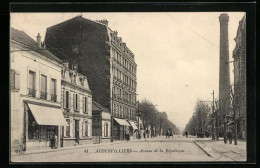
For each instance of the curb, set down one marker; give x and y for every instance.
(202, 149)
(71, 148)
(64, 149)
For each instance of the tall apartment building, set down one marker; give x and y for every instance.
(107, 62)
(239, 55)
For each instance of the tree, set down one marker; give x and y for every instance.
(200, 118)
(157, 120)
(147, 112)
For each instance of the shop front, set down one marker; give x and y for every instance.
(42, 126)
(121, 129)
(133, 130)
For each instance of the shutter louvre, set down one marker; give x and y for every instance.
(69, 100)
(78, 102)
(17, 81)
(83, 104)
(74, 102)
(12, 79)
(64, 99)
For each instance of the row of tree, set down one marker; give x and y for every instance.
(200, 119)
(208, 117)
(152, 118)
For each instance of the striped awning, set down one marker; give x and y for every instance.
(133, 125)
(47, 115)
(122, 122)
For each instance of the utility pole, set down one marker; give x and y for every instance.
(112, 118)
(138, 120)
(212, 119)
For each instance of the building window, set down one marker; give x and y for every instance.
(53, 90)
(43, 87)
(67, 133)
(31, 87)
(66, 101)
(85, 105)
(117, 110)
(106, 130)
(76, 102)
(86, 129)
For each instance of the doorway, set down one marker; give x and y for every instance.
(77, 131)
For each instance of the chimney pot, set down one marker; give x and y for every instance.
(39, 40)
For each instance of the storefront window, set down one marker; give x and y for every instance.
(43, 87)
(33, 128)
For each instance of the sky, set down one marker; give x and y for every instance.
(177, 54)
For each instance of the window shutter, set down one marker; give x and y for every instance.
(73, 129)
(83, 104)
(69, 100)
(74, 101)
(12, 79)
(64, 99)
(89, 105)
(78, 102)
(83, 128)
(17, 81)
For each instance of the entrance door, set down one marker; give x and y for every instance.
(77, 130)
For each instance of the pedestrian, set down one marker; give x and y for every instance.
(55, 141)
(51, 140)
(230, 137)
(186, 133)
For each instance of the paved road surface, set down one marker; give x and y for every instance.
(177, 149)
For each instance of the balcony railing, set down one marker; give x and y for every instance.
(54, 97)
(31, 92)
(43, 95)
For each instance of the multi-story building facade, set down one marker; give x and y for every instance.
(35, 79)
(107, 62)
(239, 55)
(76, 100)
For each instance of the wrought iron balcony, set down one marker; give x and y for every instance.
(31, 92)
(43, 95)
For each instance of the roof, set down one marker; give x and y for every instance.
(78, 18)
(98, 107)
(23, 38)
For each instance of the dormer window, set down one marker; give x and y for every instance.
(81, 79)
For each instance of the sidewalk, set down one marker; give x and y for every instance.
(46, 150)
(221, 151)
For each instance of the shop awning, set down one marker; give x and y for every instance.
(133, 125)
(47, 115)
(122, 122)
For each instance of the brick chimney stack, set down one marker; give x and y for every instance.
(39, 40)
(224, 74)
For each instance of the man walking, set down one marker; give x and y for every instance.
(186, 134)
